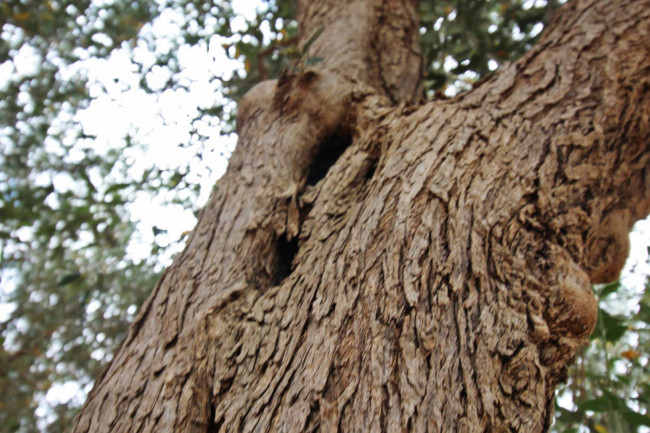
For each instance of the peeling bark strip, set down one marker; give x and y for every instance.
(369, 265)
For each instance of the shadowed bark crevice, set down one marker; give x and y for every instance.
(287, 250)
(328, 153)
(213, 426)
(313, 420)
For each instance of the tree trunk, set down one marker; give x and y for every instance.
(371, 263)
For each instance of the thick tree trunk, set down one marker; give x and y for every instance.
(435, 277)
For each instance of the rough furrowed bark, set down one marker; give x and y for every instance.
(372, 266)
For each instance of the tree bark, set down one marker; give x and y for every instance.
(372, 263)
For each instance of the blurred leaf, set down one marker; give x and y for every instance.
(630, 354)
(313, 60)
(600, 404)
(157, 231)
(311, 40)
(636, 419)
(608, 289)
(69, 278)
(117, 186)
(611, 327)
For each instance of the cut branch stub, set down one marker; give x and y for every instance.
(305, 113)
(377, 44)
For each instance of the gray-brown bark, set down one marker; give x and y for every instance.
(442, 269)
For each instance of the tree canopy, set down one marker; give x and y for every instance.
(70, 278)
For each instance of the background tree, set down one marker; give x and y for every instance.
(64, 228)
(74, 286)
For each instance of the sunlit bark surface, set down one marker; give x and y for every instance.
(373, 263)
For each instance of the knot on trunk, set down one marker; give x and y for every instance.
(572, 310)
(562, 322)
(608, 246)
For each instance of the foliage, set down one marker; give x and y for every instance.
(609, 386)
(70, 280)
(64, 227)
(464, 40)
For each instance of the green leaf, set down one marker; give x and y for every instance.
(636, 419)
(311, 40)
(156, 230)
(69, 279)
(610, 327)
(313, 60)
(608, 289)
(606, 402)
(116, 187)
(568, 416)
(600, 404)
(644, 308)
